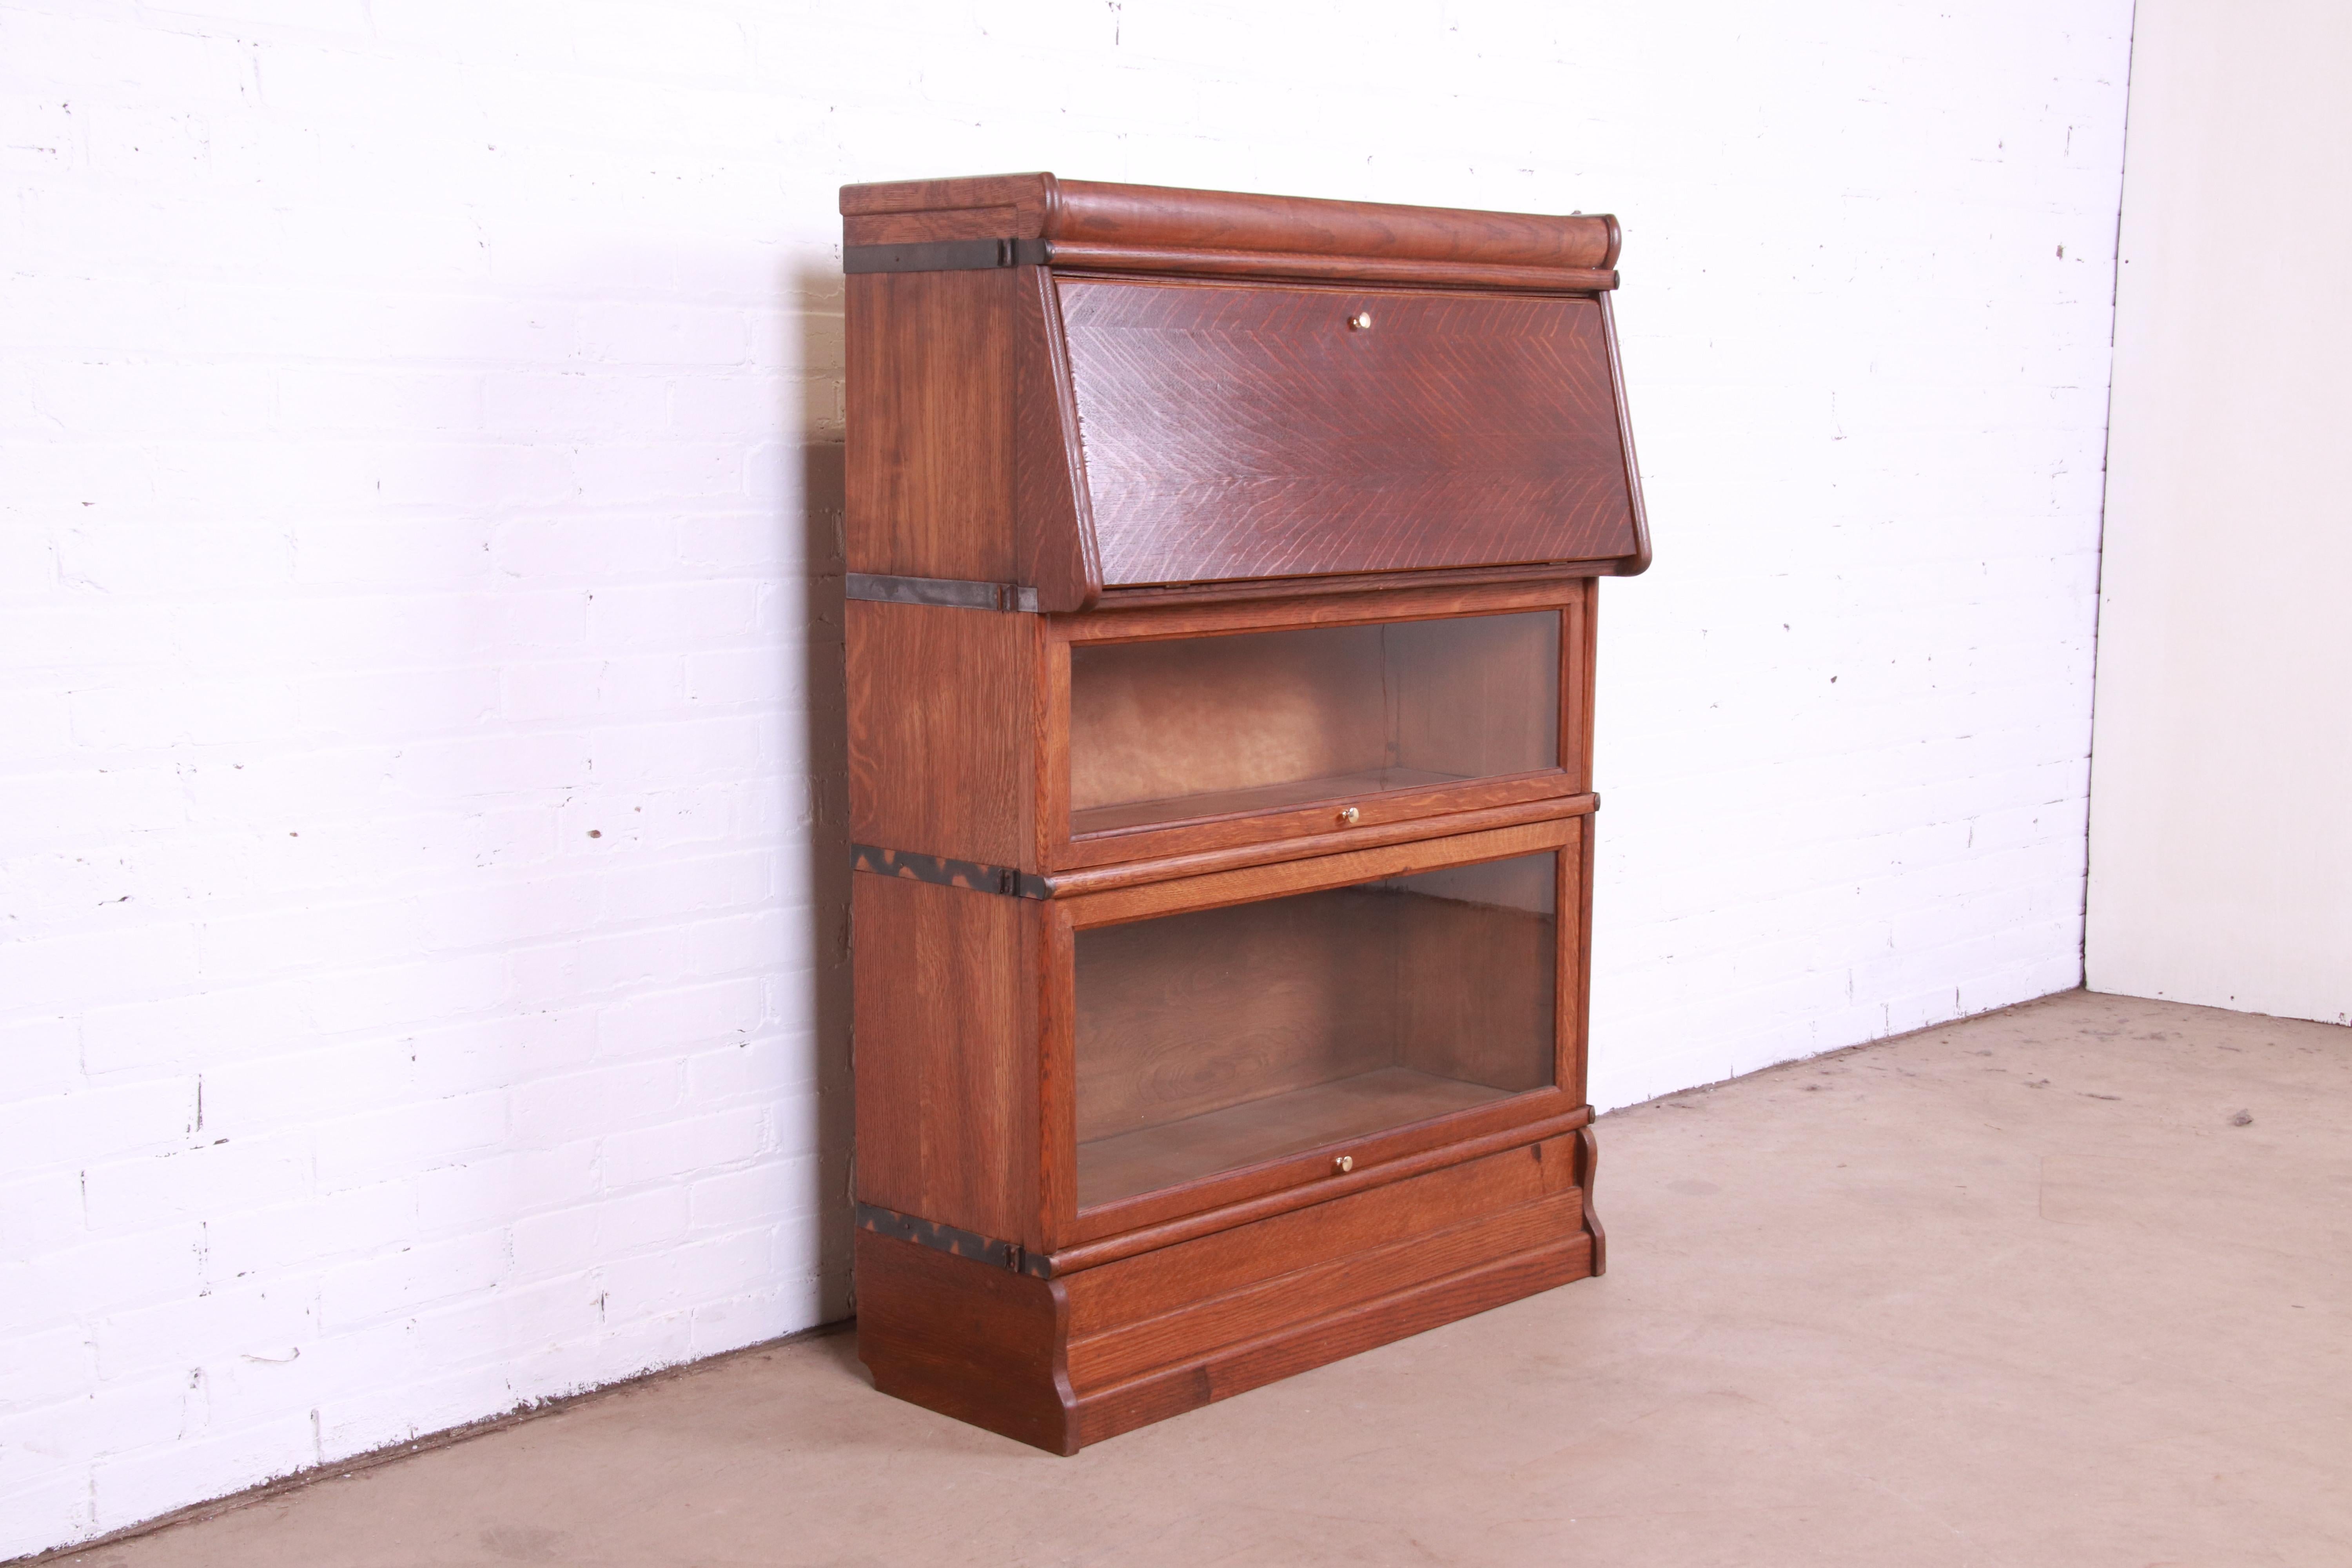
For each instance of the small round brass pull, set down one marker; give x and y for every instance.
(1343, 1164)
(1348, 815)
(1361, 321)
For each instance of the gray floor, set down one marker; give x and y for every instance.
(2066, 1285)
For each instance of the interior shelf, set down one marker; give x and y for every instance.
(1173, 730)
(1217, 1038)
(1280, 797)
(1178, 1151)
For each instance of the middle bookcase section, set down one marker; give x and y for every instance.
(1191, 728)
(1173, 729)
(1217, 1038)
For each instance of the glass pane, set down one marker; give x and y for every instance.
(1163, 731)
(1215, 1040)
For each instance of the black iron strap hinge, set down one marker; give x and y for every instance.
(946, 256)
(955, 592)
(971, 875)
(1010, 1255)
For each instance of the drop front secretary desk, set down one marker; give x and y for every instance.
(1222, 574)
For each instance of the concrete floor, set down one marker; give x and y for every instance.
(2027, 1289)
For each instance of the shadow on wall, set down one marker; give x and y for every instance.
(827, 750)
(818, 357)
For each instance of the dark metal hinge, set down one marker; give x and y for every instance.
(1010, 1255)
(946, 256)
(955, 592)
(1009, 881)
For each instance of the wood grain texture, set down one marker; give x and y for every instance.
(1588, 1168)
(1330, 691)
(1195, 1012)
(1372, 1268)
(1474, 695)
(1155, 720)
(929, 465)
(940, 733)
(1578, 652)
(944, 984)
(1080, 259)
(1164, 1278)
(1461, 430)
(1170, 433)
(986, 206)
(1418, 815)
(1187, 595)
(1236, 1369)
(1576, 960)
(1472, 989)
(982, 1344)
(1054, 529)
(1638, 561)
(1152, 217)
(1217, 1040)
(1327, 791)
(1311, 604)
(1155, 723)
(1330, 1117)
(1055, 1364)
(1098, 215)
(1271, 882)
(1130, 1230)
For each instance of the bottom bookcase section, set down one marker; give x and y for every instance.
(1212, 1039)
(1063, 1362)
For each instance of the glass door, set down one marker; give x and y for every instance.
(1186, 729)
(1213, 1040)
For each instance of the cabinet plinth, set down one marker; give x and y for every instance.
(1220, 653)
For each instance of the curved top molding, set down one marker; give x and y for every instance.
(1090, 224)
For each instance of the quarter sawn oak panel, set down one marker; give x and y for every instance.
(1240, 432)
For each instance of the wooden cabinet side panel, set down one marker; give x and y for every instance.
(945, 988)
(982, 1344)
(940, 731)
(930, 412)
(1054, 530)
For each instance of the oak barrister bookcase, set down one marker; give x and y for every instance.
(1221, 575)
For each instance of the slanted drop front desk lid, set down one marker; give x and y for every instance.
(1207, 391)
(1238, 431)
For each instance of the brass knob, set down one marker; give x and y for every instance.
(1348, 815)
(1343, 1164)
(1361, 321)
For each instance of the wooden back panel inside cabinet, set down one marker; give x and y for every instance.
(1249, 431)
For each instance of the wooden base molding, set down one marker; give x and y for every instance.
(1063, 1362)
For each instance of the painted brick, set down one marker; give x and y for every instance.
(424, 429)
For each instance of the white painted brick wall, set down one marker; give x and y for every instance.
(420, 976)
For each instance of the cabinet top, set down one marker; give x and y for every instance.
(1070, 394)
(1085, 222)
